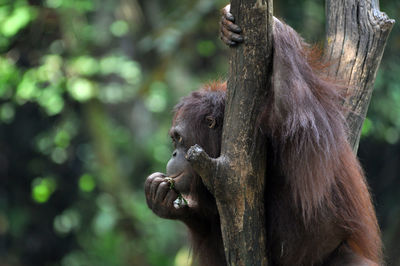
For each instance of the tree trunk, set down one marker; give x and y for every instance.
(356, 36)
(237, 178)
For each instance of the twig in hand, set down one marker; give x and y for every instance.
(180, 201)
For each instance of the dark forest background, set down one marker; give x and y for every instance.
(86, 92)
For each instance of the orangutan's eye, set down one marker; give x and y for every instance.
(211, 121)
(176, 138)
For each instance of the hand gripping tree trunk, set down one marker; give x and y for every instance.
(356, 34)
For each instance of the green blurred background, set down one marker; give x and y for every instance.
(86, 92)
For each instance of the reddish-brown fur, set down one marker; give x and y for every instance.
(318, 208)
(306, 124)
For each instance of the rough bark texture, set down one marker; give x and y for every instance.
(250, 75)
(237, 178)
(356, 36)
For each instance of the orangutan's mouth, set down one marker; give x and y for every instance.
(176, 180)
(175, 176)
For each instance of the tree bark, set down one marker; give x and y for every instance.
(237, 178)
(356, 35)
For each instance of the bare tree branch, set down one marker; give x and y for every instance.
(356, 36)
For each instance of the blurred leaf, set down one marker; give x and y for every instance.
(27, 88)
(366, 129)
(42, 188)
(18, 19)
(54, 3)
(84, 65)
(392, 135)
(157, 99)
(119, 28)
(62, 139)
(76, 5)
(7, 112)
(9, 77)
(59, 155)
(87, 183)
(66, 222)
(51, 100)
(81, 89)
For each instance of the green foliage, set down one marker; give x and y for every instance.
(157, 97)
(42, 188)
(87, 183)
(13, 18)
(119, 28)
(82, 6)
